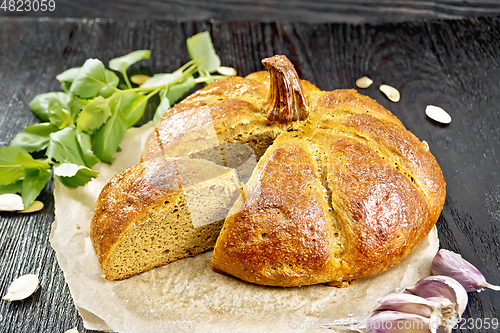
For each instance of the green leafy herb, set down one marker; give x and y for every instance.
(162, 109)
(21, 173)
(73, 175)
(35, 137)
(202, 50)
(86, 148)
(94, 114)
(10, 169)
(121, 64)
(42, 104)
(64, 147)
(67, 77)
(86, 122)
(90, 79)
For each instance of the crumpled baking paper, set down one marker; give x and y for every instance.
(186, 295)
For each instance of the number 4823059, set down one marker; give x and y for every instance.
(28, 5)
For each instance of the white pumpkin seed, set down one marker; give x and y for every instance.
(364, 82)
(228, 71)
(73, 330)
(438, 114)
(139, 79)
(34, 207)
(426, 145)
(11, 202)
(22, 287)
(391, 92)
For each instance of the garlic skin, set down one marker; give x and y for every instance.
(395, 321)
(441, 286)
(453, 265)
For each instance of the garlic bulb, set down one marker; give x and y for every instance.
(453, 265)
(441, 286)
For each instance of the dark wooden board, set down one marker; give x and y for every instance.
(310, 11)
(454, 64)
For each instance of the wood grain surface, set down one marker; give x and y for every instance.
(311, 11)
(454, 64)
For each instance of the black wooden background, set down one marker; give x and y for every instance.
(311, 11)
(454, 64)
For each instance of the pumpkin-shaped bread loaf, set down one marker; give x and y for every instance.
(314, 186)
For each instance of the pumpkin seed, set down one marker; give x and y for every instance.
(139, 79)
(364, 82)
(73, 330)
(228, 71)
(22, 287)
(438, 114)
(391, 92)
(34, 207)
(11, 202)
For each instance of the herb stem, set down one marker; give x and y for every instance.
(154, 92)
(127, 81)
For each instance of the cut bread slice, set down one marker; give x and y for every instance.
(166, 209)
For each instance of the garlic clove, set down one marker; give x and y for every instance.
(407, 303)
(22, 287)
(394, 321)
(11, 202)
(453, 265)
(444, 316)
(441, 286)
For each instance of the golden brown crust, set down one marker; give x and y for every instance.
(126, 198)
(384, 192)
(284, 234)
(343, 194)
(130, 196)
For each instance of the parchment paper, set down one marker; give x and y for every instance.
(187, 296)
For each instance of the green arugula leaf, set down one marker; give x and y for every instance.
(177, 91)
(202, 50)
(131, 107)
(33, 184)
(112, 80)
(90, 79)
(121, 64)
(107, 138)
(16, 187)
(75, 106)
(86, 148)
(59, 114)
(41, 105)
(37, 173)
(64, 147)
(67, 77)
(30, 164)
(35, 137)
(159, 80)
(161, 110)
(93, 115)
(10, 169)
(73, 175)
